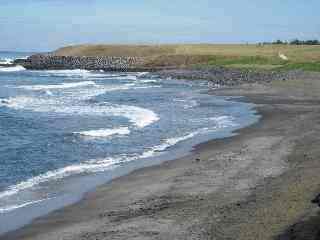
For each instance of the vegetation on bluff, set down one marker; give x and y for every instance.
(250, 56)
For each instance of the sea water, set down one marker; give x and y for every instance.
(64, 132)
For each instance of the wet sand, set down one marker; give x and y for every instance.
(255, 185)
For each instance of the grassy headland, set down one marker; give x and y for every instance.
(305, 57)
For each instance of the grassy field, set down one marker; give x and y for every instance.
(237, 56)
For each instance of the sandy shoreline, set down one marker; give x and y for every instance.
(256, 185)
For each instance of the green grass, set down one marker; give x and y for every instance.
(263, 63)
(306, 66)
(253, 62)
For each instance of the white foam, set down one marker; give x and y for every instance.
(100, 165)
(191, 104)
(140, 117)
(223, 121)
(81, 73)
(24, 57)
(6, 61)
(102, 133)
(49, 93)
(148, 81)
(125, 77)
(12, 69)
(13, 207)
(218, 122)
(86, 167)
(167, 143)
(141, 74)
(188, 103)
(74, 72)
(59, 86)
(90, 166)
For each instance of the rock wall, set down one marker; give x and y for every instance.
(41, 62)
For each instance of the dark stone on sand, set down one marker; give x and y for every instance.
(316, 200)
(221, 76)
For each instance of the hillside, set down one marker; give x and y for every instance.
(239, 56)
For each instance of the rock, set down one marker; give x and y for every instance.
(221, 76)
(316, 200)
(105, 63)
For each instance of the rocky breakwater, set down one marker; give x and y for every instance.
(106, 63)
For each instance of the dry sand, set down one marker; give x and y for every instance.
(256, 185)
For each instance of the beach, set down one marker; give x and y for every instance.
(257, 184)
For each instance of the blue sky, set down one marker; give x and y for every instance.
(42, 25)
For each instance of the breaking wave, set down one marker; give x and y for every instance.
(140, 117)
(103, 133)
(59, 86)
(6, 61)
(87, 74)
(13, 207)
(99, 165)
(64, 73)
(12, 69)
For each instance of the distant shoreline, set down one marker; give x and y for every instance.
(218, 75)
(253, 57)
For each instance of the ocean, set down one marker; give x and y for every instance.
(64, 132)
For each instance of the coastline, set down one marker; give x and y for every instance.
(221, 196)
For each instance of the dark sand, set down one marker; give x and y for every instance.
(256, 185)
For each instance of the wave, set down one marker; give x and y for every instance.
(102, 133)
(6, 61)
(125, 77)
(141, 74)
(129, 76)
(49, 93)
(75, 73)
(148, 81)
(81, 93)
(223, 121)
(140, 117)
(87, 167)
(167, 144)
(100, 165)
(188, 103)
(13, 207)
(218, 121)
(64, 73)
(59, 86)
(12, 69)
(93, 166)
(86, 74)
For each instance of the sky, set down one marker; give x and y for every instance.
(44, 25)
